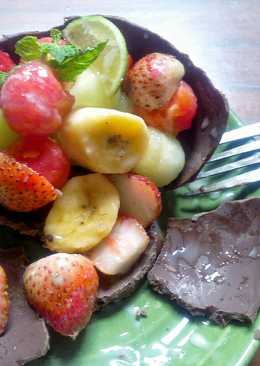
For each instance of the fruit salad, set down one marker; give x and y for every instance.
(90, 135)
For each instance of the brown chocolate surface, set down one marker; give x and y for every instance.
(211, 264)
(26, 337)
(112, 291)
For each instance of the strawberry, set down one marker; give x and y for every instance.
(121, 248)
(139, 197)
(6, 63)
(44, 156)
(21, 188)
(177, 115)
(4, 301)
(130, 62)
(33, 100)
(62, 288)
(153, 80)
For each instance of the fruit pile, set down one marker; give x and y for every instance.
(78, 98)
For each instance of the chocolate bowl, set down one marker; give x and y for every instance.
(199, 142)
(210, 122)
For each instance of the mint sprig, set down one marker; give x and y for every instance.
(67, 60)
(60, 52)
(73, 66)
(3, 77)
(56, 35)
(28, 48)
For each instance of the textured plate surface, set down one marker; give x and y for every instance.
(167, 336)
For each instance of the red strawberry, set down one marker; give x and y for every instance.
(121, 248)
(62, 288)
(61, 42)
(21, 188)
(139, 197)
(153, 80)
(44, 156)
(6, 63)
(130, 62)
(34, 101)
(177, 115)
(4, 301)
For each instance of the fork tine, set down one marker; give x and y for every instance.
(241, 179)
(251, 160)
(241, 133)
(248, 147)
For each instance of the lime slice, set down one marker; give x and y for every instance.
(112, 62)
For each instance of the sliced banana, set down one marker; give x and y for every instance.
(163, 160)
(104, 140)
(84, 214)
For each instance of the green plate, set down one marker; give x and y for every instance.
(167, 336)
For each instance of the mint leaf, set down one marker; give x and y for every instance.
(67, 60)
(56, 35)
(3, 77)
(28, 48)
(75, 65)
(60, 53)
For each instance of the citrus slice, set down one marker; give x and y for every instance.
(112, 62)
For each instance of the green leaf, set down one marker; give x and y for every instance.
(75, 65)
(60, 53)
(3, 77)
(56, 35)
(28, 48)
(68, 60)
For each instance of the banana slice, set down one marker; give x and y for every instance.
(163, 160)
(104, 140)
(83, 216)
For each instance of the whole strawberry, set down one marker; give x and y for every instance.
(34, 101)
(153, 80)
(4, 301)
(62, 288)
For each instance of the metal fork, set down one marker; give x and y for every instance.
(245, 154)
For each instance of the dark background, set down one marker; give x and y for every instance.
(221, 36)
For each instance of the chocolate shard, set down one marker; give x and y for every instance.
(112, 291)
(26, 337)
(211, 264)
